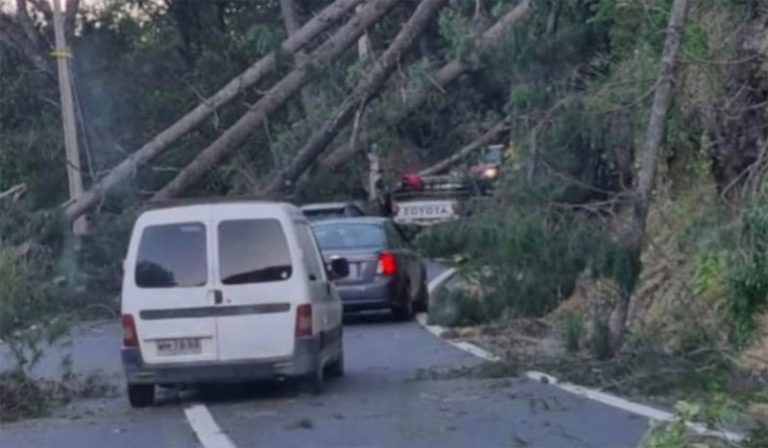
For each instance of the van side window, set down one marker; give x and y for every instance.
(312, 257)
(172, 255)
(253, 251)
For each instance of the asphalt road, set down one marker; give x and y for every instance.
(385, 400)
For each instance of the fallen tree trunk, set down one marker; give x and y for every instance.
(199, 114)
(292, 25)
(487, 138)
(367, 89)
(276, 97)
(446, 75)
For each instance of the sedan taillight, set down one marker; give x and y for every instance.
(387, 264)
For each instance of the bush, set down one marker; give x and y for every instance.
(748, 274)
(456, 308)
(526, 258)
(30, 305)
(600, 341)
(573, 329)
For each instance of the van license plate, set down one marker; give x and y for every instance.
(181, 346)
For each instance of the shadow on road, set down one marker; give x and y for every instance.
(229, 393)
(369, 317)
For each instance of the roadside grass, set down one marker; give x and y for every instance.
(704, 380)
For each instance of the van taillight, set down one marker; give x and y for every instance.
(130, 339)
(387, 264)
(304, 320)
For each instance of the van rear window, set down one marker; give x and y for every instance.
(253, 251)
(172, 255)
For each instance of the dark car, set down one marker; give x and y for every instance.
(330, 210)
(384, 271)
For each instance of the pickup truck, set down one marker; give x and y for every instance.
(441, 199)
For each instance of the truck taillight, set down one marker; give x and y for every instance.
(304, 320)
(387, 264)
(130, 338)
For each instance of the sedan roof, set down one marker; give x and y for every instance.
(327, 205)
(353, 220)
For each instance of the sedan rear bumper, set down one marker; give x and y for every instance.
(380, 294)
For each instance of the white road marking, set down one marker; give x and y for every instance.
(440, 279)
(205, 427)
(648, 412)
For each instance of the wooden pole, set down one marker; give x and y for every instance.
(74, 174)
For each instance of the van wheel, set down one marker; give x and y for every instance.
(336, 368)
(141, 395)
(315, 381)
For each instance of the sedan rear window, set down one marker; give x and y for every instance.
(253, 251)
(324, 213)
(172, 255)
(349, 236)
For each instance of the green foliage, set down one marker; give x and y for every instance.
(456, 30)
(456, 308)
(757, 436)
(33, 293)
(573, 330)
(748, 273)
(599, 342)
(715, 411)
(709, 274)
(514, 249)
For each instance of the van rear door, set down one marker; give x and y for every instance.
(255, 275)
(167, 286)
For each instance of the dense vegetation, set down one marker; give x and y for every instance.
(574, 81)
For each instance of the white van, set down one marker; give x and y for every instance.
(229, 291)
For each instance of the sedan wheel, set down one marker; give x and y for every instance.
(422, 300)
(404, 311)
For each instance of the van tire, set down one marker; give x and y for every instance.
(336, 368)
(314, 382)
(141, 395)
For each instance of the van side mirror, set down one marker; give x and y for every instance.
(338, 268)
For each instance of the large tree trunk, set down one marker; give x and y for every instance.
(487, 138)
(367, 89)
(276, 97)
(199, 114)
(446, 75)
(292, 23)
(290, 16)
(631, 239)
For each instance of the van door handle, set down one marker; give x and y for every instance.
(218, 297)
(328, 289)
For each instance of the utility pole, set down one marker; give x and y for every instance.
(74, 174)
